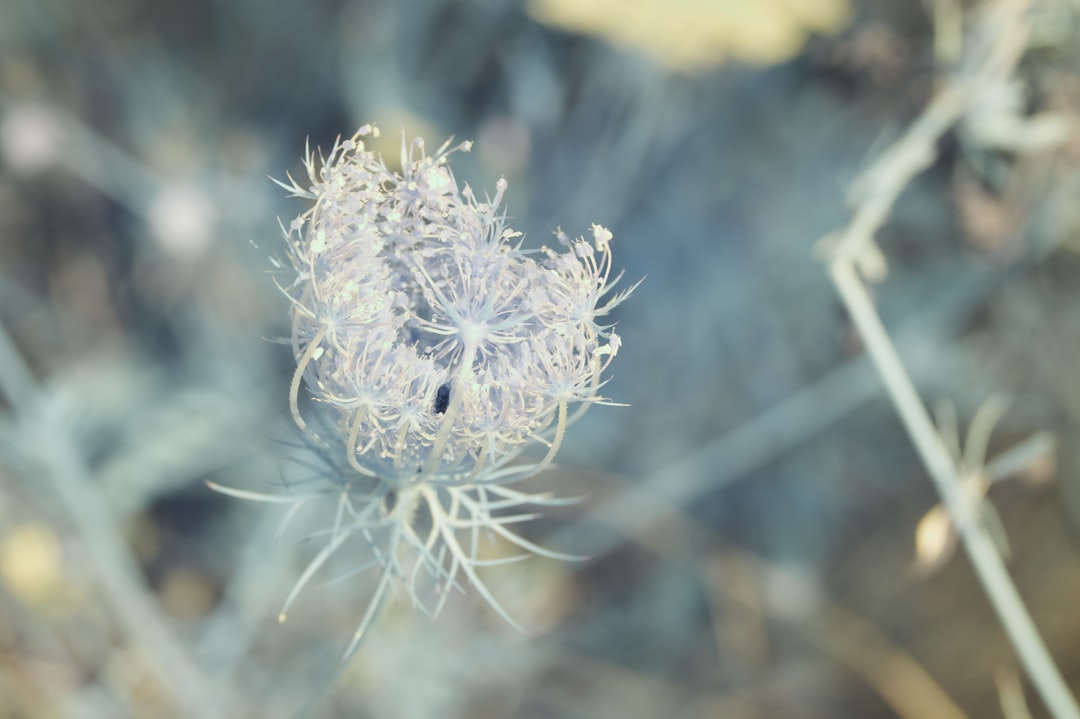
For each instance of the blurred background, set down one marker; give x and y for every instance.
(752, 516)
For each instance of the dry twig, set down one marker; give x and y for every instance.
(997, 49)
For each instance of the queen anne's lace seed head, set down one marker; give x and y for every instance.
(407, 285)
(437, 349)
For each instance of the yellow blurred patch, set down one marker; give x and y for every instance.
(186, 594)
(688, 35)
(30, 563)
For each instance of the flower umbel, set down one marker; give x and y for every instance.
(436, 350)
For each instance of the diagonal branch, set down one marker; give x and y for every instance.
(1007, 30)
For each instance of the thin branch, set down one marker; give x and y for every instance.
(117, 572)
(891, 175)
(977, 541)
(876, 191)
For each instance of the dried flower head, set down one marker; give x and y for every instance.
(435, 350)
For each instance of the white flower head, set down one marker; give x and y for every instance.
(435, 350)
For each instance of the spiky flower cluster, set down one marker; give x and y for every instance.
(436, 349)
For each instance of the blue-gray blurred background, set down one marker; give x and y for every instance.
(751, 516)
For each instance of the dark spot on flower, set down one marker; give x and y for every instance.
(442, 399)
(389, 501)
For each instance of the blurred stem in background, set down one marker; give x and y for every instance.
(116, 569)
(994, 52)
